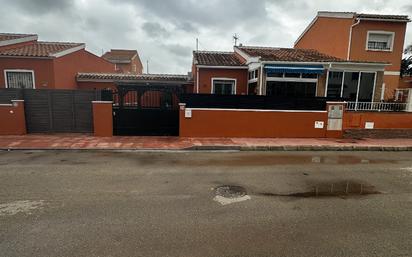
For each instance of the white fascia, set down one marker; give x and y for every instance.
(18, 40)
(68, 51)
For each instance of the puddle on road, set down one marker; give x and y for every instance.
(264, 160)
(24, 206)
(340, 189)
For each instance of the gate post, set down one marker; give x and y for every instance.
(103, 118)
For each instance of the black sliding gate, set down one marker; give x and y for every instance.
(142, 110)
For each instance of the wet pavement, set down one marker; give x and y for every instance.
(69, 203)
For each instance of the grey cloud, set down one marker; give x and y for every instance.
(179, 50)
(43, 6)
(164, 31)
(154, 29)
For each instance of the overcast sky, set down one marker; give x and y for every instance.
(165, 31)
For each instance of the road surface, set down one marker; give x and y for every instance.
(183, 204)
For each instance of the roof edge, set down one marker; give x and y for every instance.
(29, 38)
(68, 51)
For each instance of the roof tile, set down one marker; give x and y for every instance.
(110, 77)
(210, 58)
(39, 49)
(288, 54)
(119, 55)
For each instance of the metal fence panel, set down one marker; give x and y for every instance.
(37, 111)
(55, 110)
(6, 95)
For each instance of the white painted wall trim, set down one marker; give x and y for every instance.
(382, 33)
(102, 102)
(223, 67)
(18, 40)
(68, 51)
(341, 15)
(392, 73)
(253, 110)
(19, 70)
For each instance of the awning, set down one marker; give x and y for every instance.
(289, 68)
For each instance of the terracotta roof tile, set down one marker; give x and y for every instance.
(210, 58)
(119, 55)
(39, 49)
(12, 36)
(288, 54)
(404, 18)
(110, 77)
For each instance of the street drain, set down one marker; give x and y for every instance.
(230, 191)
(230, 194)
(338, 189)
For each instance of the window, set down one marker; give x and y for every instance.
(309, 76)
(224, 86)
(253, 74)
(380, 41)
(352, 86)
(292, 75)
(366, 86)
(334, 84)
(291, 89)
(275, 75)
(19, 79)
(134, 68)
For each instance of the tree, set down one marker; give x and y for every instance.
(406, 65)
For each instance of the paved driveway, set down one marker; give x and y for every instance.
(165, 204)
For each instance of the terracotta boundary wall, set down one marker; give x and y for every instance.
(12, 117)
(381, 120)
(103, 118)
(251, 123)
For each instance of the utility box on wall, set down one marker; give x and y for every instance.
(335, 116)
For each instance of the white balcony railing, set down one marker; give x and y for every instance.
(376, 106)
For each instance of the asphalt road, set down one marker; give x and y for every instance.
(165, 204)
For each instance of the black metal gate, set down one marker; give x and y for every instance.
(142, 110)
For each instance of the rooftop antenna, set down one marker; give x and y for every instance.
(147, 66)
(197, 44)
(235, 38)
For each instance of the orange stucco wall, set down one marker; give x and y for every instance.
(328, 35)
(391, 84)
(229, 123)
(59, 73)
(103, 119)
(382, 120)
(12, 119)
(406, 82)
(66, 67)
(43, 70)
(359, 37)
(206, 75)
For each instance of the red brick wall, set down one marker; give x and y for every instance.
(66, 67)
(257, 124)
(206, 75)
(12, 119)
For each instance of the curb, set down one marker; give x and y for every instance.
(233, 148)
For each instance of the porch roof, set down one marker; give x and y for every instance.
(121, 77)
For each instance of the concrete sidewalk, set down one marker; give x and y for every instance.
(87, 142)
